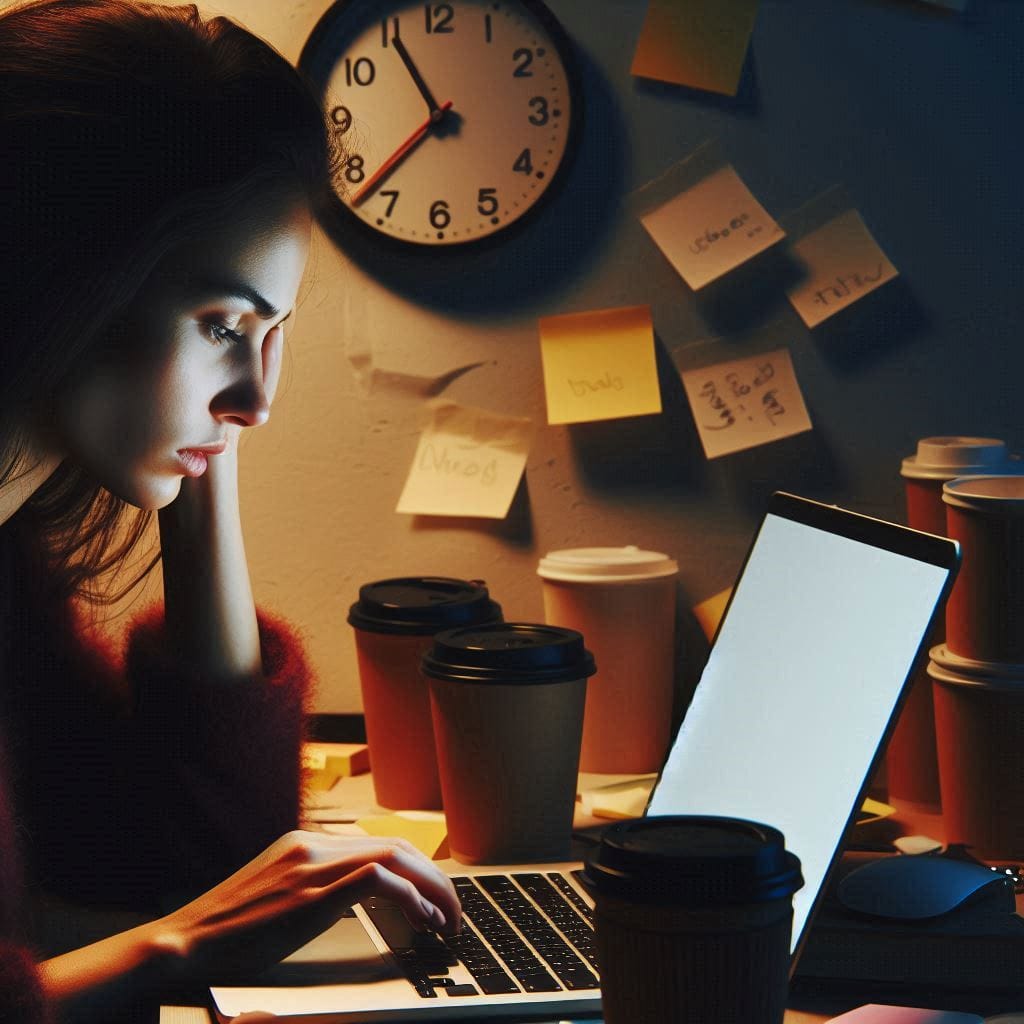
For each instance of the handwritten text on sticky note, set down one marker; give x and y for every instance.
(599, 365)
(699, 43)
(712, 227)
(468, 463)
(746, 402)
(843, 262)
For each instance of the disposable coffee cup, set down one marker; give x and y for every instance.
(507, 702)
(979, 725)
(693, 920)
(912, 771)
(985, 610)
(395, 621)
(623, 601)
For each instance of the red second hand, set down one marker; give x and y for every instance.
(399, 153)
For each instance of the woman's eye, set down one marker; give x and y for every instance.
(221, 333)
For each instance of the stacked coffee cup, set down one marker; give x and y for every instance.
(978, 673)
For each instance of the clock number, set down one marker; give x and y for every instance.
(486, 201)
(359, 72)
(342, 117)
(439, 215)
(539, 116)
(525, 58)
(384, 34)
(354, 169)
(391, 202)
(523, 164)
(443, 14)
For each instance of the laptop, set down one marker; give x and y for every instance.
(805, 676)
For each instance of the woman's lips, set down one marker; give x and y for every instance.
(194, 461)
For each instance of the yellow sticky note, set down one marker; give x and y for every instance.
(710, 611)
(427, 832)
(746, 402)
(843, 262)
(711, 227)
(700, 43)
(599, 365)
(468, 463)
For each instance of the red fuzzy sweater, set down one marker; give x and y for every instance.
(131, 786)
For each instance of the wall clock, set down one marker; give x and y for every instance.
(457, 119)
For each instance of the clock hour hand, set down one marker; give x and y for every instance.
(436, 112)
(399, 154)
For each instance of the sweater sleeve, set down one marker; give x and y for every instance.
(142, 788)
(21, 993)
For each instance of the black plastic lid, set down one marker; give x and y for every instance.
(509, 652)
(422, 605)
(693, 861)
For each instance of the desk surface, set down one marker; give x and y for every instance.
(352, 798)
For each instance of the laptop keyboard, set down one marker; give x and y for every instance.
(525, 932)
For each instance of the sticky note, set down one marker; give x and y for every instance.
(710, 611)
(712, 227)
(746, 402)
(599, 365)
(699, 43)
(626, 799)
(843, 263)
(426, 831)
(325, 763)
(468, 463)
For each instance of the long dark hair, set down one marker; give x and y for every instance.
(125, 128)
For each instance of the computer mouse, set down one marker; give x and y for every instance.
(914, 888)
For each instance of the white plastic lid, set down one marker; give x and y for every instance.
(948, 667)
(1002, 494)
(606, 565)
(942, 458)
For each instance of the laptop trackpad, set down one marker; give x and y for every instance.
(341, 955)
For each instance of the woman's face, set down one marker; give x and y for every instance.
(190, 368)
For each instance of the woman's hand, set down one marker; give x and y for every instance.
(296, 889)
(279, 901)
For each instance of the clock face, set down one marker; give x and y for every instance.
(455, 117)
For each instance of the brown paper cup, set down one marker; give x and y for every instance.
(985, 611)
(507, 709)
(623, 601)
(979, 726)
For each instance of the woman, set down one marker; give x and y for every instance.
(158, 181)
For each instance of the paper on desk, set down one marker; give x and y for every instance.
(599, 365)
(468, 463)
(426, 830)
(714, 225)
(842, 260)
(710, 611)
(618, 799)
(746, 402)
(699, 43)
(875, 1013)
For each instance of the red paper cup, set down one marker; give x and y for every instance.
(395, 621)
(979, 725)
(985, 611)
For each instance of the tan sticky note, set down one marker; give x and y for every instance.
(711, 227)
(468, 463)
(710, 611)
(427, 832)
(843, 262)
(746, 402)
(700, 43)
(599, 365)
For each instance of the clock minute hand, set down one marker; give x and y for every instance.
(399, 154)
(436, 112)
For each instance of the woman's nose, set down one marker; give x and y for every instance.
(244, 402)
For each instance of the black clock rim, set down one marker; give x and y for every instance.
(311, 56)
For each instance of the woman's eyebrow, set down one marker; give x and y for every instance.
(235, 289)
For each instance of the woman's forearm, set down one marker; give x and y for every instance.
(210, 613)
